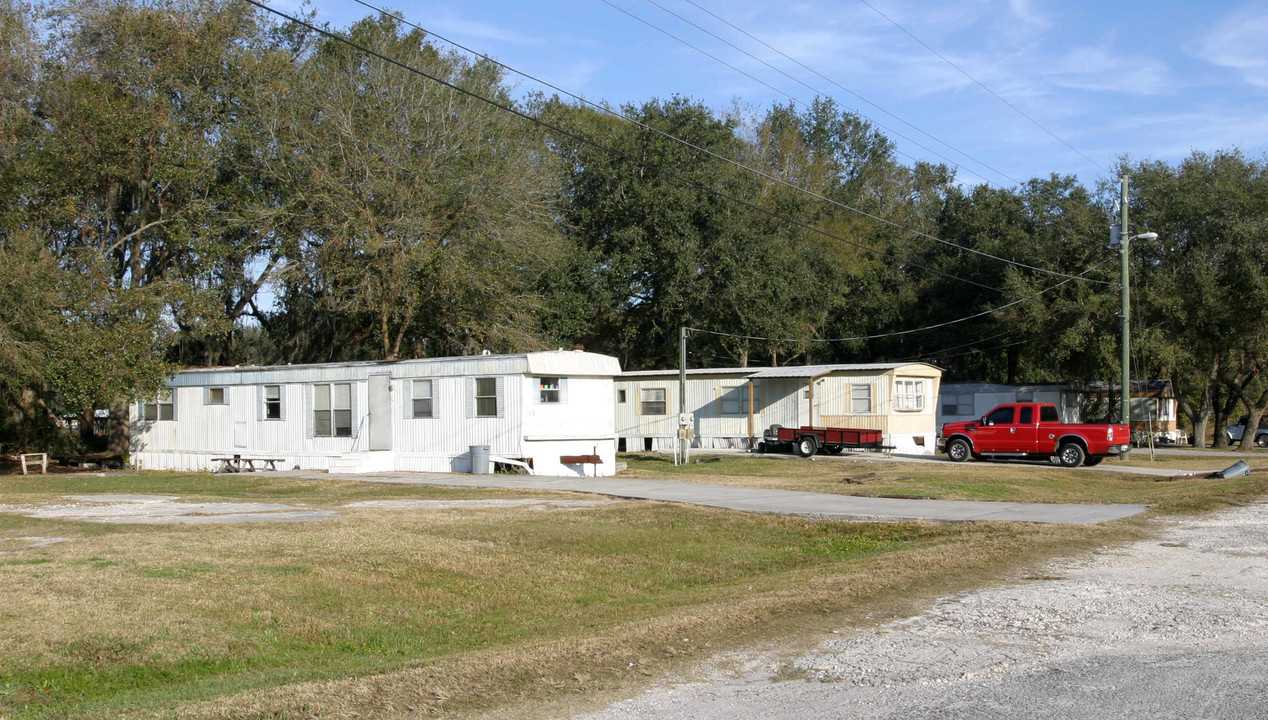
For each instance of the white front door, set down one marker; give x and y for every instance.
(380, 412)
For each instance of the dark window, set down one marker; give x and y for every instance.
(548, 389)
(1001, 416)
(652, 401)
(216, 396)
(422, 400)
(1048, 413)
(486, 397)
(1027, 416)
(272, 402)
(620, 396)
(161, 408)
(332, 410)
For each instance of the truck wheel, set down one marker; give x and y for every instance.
(1093, 461)
(806, 447)
(958, 450)
(1262, 440)
(1071, 455)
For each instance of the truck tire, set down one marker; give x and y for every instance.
(1262, 440)
(958, 450)
(1093, 461)
(1071, 455)
(806, 446)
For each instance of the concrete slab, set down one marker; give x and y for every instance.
(779, 502)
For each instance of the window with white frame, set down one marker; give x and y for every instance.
(957, 404)
(652, 401)
(272, 402)
(216, 396)
(909, 395)
(486, 397)
(735, 400)
(160, 408)
(548, 389)
(861, 399)
(332, 410)
(421, 398)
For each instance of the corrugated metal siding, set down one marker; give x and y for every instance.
(554, 363)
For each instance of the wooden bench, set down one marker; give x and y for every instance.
(29, 459)
(237, 463)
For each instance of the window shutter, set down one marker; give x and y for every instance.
(175, 406)
(536, 387)
(308, 411)
(407, 399)
(469, 384)
(259, 402)
(353, 389)
(563, 391)
(638, 399)
(281, 402)
(501, 396)
(435, 398)
(206, 396)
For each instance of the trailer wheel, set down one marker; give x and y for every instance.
(1071, 455)
(958, 450)
(836, 449)
(806, 446)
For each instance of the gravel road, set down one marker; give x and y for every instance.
(1175, 627)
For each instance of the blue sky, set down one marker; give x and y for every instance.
(1148, 80)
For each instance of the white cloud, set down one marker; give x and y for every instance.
(1236, 41)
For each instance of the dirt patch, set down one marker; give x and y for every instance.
(168, 510)
(164, 510)
(528, 504)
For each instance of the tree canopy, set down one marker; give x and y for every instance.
(191, 182)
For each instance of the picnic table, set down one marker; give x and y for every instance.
(237, 463)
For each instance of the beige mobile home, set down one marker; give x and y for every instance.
(732, 407)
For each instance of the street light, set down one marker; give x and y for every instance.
(1125, 391)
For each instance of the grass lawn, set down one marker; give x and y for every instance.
(382, 612)
(991, 481)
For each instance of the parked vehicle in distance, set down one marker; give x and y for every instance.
(806, 440)
(1235, 432)
(1032, 431)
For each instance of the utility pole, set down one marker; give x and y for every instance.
(683, 442)
(1125, 394)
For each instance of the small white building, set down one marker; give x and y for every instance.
(732, 407)
(543, 409)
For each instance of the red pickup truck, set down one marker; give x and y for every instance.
(1031, 430)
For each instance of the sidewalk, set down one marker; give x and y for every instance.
(779, 502)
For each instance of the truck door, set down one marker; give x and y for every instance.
(1027, 430)
(998, 432)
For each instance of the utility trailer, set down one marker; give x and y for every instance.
(806, 441)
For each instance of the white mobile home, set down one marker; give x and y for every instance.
(972, 400)
(732, 407)
(551, 411)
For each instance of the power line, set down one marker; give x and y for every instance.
(977, 82)
(817, 90)
(896, 333)
(755, 79)
(669, 174)
(723, 158)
